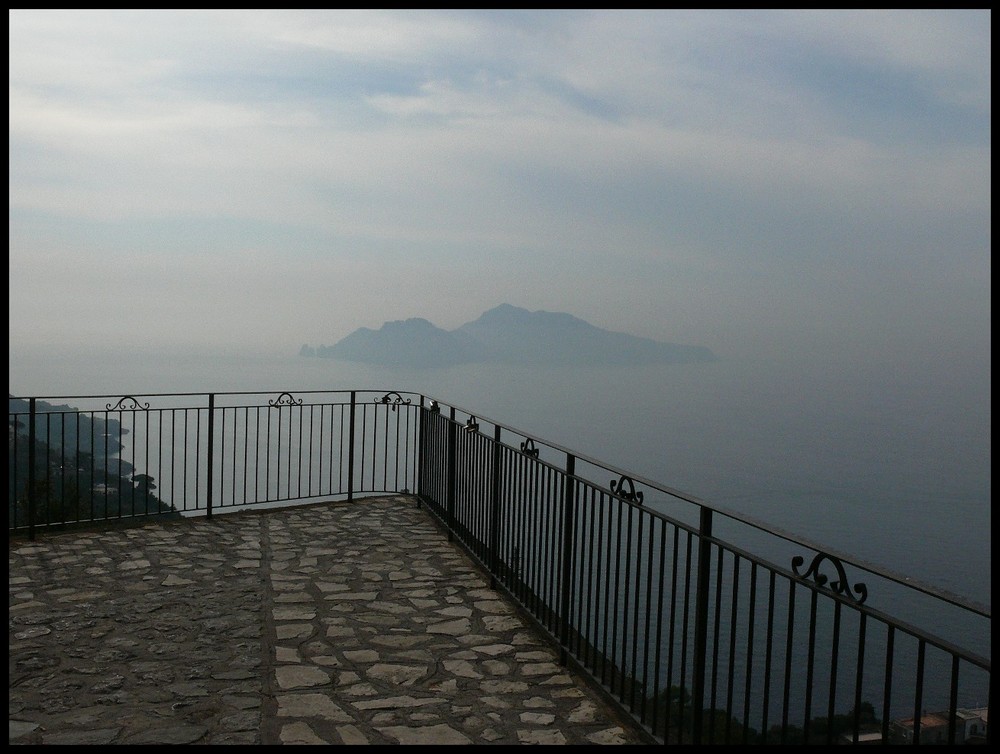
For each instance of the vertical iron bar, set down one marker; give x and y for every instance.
(605, 558)
(222, 457)
(685, 623)
(385, 449)
(953, 700)
(701, 624)
(732, 646)
(834, 655)
(49, 512)
(592, 571)
(635, 605)
(93, 464)
(62, 465)
(618, 667)
(887, 693)
(31, 468)
(135, 423)
(494, 533)
(810, 666)
(118, 452)
(568, 555)
(197, 444)
(751, 622)
(312, 414)
(601, 595)
(76, 465)
(267, 458)
(462, 481)
(107, 425)
(298, 472)
(858, 681)
(767, 656)
(547, 550)
(919, 697)
(364, 444)
(407, 460)
(288, 464)
(715, 645)
(173, 461)
(211, 451)
(322, 432)
(422, 448)
(788, 660)
(350, 448)
(989, 706)
(13, 469)
(450, 489)
(246, 450)
(659, 624)
(257, 459)
(223, 500)
(531, 530)
(344, 427)
(672, 631)
(648, 615)
(579, 534)
(236, 421)
(516, 497)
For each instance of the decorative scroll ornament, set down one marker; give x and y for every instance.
(529, 449)
(128, 403)
(840, 586)
(619, 489)
(393, 402)
(471, 425)
(285, 399)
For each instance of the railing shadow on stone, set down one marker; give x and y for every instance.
(702, 625)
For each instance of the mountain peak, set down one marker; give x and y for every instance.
(503, 312)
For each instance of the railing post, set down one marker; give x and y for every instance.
(421, 450)
(495, 509)
(701, 624)
(568, 556)
(31, 469)
(210, 471)
(350, 448)
(452, 455)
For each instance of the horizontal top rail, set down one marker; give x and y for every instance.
(197, 393)
(909, 582)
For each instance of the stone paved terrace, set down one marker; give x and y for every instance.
(344, 623)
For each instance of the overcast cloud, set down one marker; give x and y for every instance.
(747, 181)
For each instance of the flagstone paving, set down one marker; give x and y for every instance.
(342, 623)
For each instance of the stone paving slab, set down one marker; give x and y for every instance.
(342, 623)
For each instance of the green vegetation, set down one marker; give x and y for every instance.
(77, 476)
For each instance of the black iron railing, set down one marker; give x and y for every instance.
(702, 624)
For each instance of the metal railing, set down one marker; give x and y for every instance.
(113, 458)
(702, 624)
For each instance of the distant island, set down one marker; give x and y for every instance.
(506, 334)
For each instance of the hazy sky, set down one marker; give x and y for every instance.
(738, 180)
